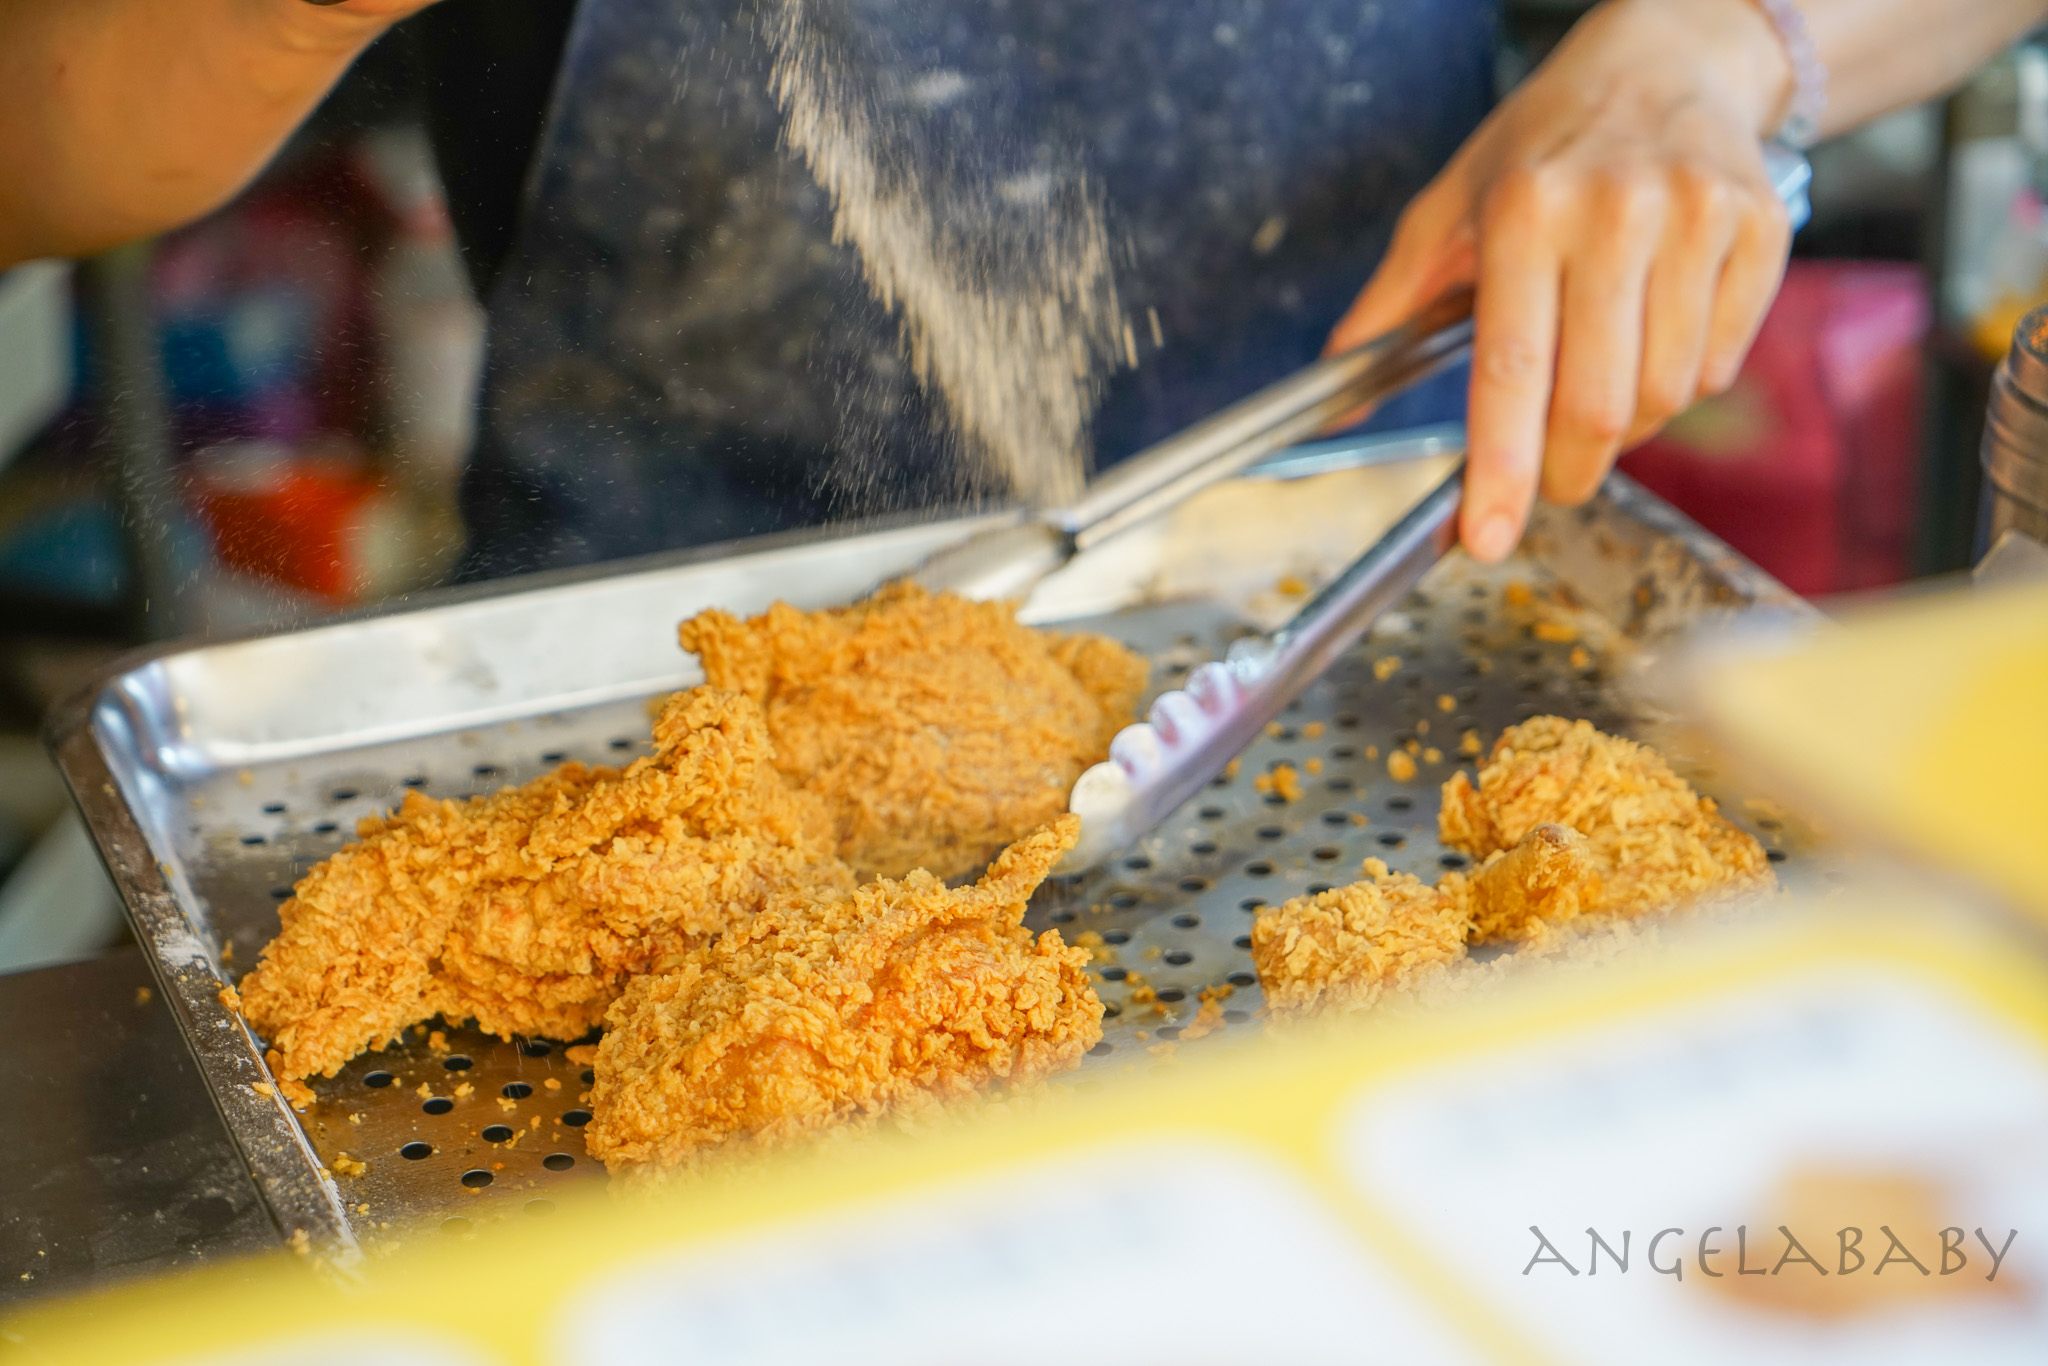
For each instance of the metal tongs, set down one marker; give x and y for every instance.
(1194, 731)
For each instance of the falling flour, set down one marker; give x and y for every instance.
(1002, 283)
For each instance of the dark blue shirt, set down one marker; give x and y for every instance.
(681, 353)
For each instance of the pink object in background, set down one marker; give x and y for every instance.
(1810, 464)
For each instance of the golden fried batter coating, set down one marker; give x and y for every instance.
(1548, 879)
(526, 910)
(832, 1009)
(1344, 948)
(1654, 841)
(936, 729)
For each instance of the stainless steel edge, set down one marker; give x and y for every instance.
(301, 1201)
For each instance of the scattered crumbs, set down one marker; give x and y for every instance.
(1291, 585)
(1468, 743)
(1400, 766)
(1763, 808)
(1385, 667)
(533, 1123)
(1142, 992)
(1312, 766)
(464, 1091)
(1163, 1050)
(1372, 752)
(350, 1166)
(1446, 703)
(1151, 952)
(1208, 1019)
(362, 1209)
(245, 777)
(1283, 780)
(1144, 1036)
(1359, 818)
(1275, 730)
(1581, 660)
(513, 1141)
(1230, 769)
(1432, 755)
(1422, 726)
(143, 996)
(507, 1104)
(1313, 730)
(355, 1117)
(552, 1084)
(1412, 746)
(264, 1089)
(425, 1091)
(1556, 632)
(437, 1041)
(1517, 594)
(582, 1054)
(300, 1243)
(227, 951)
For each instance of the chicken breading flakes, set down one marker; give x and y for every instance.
(827, 1010)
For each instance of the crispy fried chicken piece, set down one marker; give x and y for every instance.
(1547, 880)
(527, 910)
(936, 729)
(1346, 947)
(826, 1010)
(1653, 840)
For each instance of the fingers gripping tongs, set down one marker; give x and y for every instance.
(1194, 731)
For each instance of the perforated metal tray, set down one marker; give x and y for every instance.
(213, 776)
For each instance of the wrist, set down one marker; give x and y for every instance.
(1732, 43)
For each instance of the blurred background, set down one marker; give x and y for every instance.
(262, 419)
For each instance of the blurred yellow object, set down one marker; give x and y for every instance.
(1432, 1186)
(1923, 723)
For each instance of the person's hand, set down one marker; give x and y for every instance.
(1623, 239)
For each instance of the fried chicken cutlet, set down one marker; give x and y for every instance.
(1568, 823)
(528, 909)
(832, 1009)
(1653, 840)
(936, 730)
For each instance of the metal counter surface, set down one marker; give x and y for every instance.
(116, 1164)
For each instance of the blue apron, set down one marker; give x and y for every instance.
(681, 352)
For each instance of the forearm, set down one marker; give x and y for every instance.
(1882, 54)
(1879, 54)
(121, 118)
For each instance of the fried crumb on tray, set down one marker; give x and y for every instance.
(1345, 947)
(936, 730)
(528, 909)
(1653, 840)
(828, 1010)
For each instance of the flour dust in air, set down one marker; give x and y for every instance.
(1001, 279)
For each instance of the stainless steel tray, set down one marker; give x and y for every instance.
(212, 776)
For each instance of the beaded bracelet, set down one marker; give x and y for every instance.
(1801, 127)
